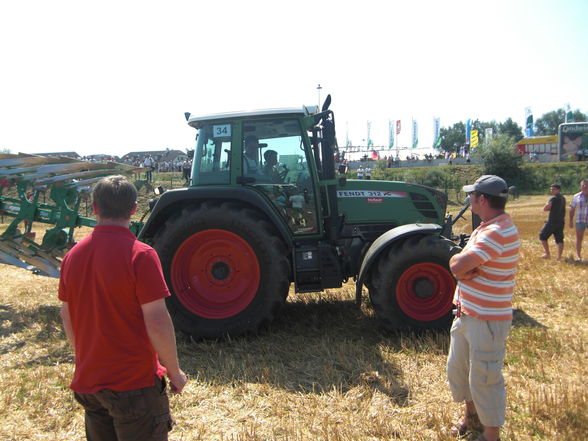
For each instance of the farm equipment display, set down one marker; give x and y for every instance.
(48, 190)
(266, 208)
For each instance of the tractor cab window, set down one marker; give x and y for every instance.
(212, 155)
(273, 154)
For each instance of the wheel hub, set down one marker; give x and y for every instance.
(220, 270)
(423, 288)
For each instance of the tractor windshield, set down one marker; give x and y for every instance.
(212, 155)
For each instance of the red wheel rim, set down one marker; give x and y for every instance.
(215, 274)
(424, 291)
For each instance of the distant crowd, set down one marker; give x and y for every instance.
(394, 161)
(155, 163)
(158, 165)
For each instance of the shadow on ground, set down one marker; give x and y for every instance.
(36, 326)
(520, 319)
(314, 346)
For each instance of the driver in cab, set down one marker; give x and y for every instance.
(251, 163)
(271, 167)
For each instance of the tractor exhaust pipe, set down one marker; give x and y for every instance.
(328, 150)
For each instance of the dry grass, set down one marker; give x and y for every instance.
(324, 371)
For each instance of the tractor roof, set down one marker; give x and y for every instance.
(304, 110)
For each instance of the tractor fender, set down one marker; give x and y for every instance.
(383, 242)
(173, 201)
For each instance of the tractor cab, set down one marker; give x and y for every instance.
(269, 151)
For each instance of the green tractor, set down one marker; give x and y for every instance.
(267, 207)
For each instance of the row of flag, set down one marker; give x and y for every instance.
(392, 127)
(472, 137)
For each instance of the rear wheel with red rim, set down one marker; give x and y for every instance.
(226, 267)
(215, 273)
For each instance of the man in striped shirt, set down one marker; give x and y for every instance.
(485, 271)
(579, 214)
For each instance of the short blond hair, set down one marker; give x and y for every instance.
(115, 197)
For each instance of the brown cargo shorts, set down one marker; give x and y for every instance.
(133, 415)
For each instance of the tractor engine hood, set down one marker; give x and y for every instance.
(399, 203)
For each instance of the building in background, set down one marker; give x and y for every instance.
(535, 146)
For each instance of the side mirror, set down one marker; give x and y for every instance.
(327, 103)
(159, 190)
(190, 154)
(343, 169)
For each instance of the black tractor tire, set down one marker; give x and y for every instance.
(226, 267)
(411, 287)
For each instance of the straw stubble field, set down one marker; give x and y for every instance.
(324, 370)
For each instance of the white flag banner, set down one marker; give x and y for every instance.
(415, 134)
(489, 133)
(436, 130)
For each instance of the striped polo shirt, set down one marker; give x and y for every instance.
(495, 245)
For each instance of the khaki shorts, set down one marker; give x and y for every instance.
(474, 366)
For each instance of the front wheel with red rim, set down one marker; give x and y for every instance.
(226, 267)
(411, 285)
(424, 291)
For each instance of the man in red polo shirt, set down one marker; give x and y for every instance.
(114, 315)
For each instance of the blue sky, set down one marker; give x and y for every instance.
(117, 76)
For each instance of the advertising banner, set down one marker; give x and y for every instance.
(474, 139)
(573, 141)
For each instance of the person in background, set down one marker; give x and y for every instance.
(360, 172)
(579, 214)
(485, 271)
(149, 163)
(186, 169)
(114, 315)
(555, 222)
(368, 172)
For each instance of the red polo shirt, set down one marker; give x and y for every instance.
(105, 279)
